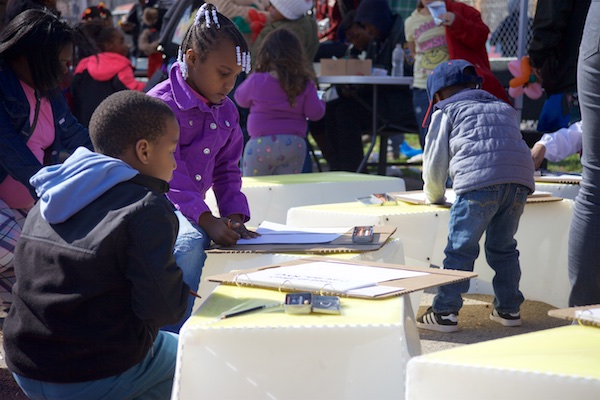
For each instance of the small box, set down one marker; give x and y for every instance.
(298, 303)
(332, 67)
(362, 234)
(380, 199)
(358, 67)
(326, 304)
(336, 67)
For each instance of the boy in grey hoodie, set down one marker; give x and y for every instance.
(96, 276)
(475, 138)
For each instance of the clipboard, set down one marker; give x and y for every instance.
(418, 197)
(432, 277)
(563, 178)
(585, 315)
(343, 244)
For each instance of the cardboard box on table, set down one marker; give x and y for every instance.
(335, 67)
(359, 354)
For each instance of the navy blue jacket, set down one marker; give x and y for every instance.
(93, 291)
(16, 159)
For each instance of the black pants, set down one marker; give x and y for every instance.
(348, 117)
(345, 120)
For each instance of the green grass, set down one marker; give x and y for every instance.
(569, 164)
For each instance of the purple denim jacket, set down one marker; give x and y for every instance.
(209, 150)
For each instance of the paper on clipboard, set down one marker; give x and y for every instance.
(329, 276)
(274, 233)
(552, 177)
(373, 291)
(418, 197)
(584, 315)
(427, 277)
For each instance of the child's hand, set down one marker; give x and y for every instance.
(448, 18)
(538, 152)
(237, 225)
(219, 230)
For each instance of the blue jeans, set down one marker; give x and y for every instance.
(190, 257)
(584, 236)
(421, 104)
(495, 210)
(151, 379)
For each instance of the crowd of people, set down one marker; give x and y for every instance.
(94, 161)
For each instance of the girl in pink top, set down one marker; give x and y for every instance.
(99, 75)
(281, 96)
(35, 121)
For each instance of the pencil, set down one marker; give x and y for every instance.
(195, 294)
(247, 310)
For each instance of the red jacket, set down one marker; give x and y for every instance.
(466, 40)
(105, 66)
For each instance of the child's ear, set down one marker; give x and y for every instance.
(191, 56)
(142, 151)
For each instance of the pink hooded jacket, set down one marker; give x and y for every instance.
(104, 66)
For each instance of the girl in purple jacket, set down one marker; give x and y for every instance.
(212, 54)
(281, 96)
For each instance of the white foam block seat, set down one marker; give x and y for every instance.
(542, 240)
(360, 354)
(554, 364)
(270, 197)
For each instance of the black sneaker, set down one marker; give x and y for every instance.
(506, 319)
(439, 322)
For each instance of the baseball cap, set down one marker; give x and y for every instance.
(449, 73)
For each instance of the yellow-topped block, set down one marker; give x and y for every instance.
(560, 363)
(270, 197)
(359, 354)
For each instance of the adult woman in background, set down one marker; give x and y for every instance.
(35, 121)
(584, 236)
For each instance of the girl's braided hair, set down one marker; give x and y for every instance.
(206, 32)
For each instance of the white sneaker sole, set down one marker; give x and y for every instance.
(505, 322)
(438, 328)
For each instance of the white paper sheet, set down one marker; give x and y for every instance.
(326, 276)
(591, 314)
(274, 233)
(419, 197)
(373, 291)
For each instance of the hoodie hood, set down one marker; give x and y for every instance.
(67, 188)
(375, 12)
(103, 66)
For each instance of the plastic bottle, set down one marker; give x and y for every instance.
(398, 61)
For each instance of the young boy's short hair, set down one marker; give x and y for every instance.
(125, 117)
